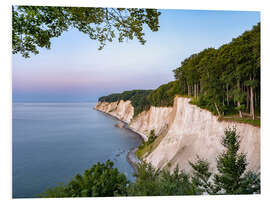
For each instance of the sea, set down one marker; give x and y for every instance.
(52, 142)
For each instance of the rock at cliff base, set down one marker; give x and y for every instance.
(120, 124)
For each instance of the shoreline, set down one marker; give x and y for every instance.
(131, 157)
(142, 136)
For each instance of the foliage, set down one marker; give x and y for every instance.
(231, 166)
(35, 26)
(164, 95)
(226, 79)
(256, 122)
(110, 98)
(102, 180)
(138, 99)
(152, 137)
(142, 99)
(232, 176)
(201, 176)
(156, 182)
(146, 146)
(147, 181)
(176, 183)
(58, 191)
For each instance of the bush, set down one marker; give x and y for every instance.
(156, 182)
(146, 146)
(102, 180)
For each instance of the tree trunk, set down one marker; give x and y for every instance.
(198, 89)
(227, 94)
(223, 97)
(195, 91)
(240, 112)
(252, 103)
(256, 99)
(238, 102)
(217, 109)
(248, 99)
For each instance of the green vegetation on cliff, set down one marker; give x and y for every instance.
(146, 147)
(225, 81)
(142, 99)
(138, 99)
(103, 180)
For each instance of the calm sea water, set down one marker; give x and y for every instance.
(52, 142)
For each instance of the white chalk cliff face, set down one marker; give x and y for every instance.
(187, 131)
(123, 110)
(156, 118)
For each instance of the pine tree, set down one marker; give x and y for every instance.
(232, 177)
(230, 164)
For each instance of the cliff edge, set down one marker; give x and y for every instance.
(185, 131)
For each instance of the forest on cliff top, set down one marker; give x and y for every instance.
(226, 81)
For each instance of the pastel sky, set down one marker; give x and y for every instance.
(74, 70)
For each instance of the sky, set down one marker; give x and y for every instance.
(74, 70)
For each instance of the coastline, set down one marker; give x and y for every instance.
(131, 157)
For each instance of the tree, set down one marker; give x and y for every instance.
(147, 181)
(230, 73)
(232, 177)
(201, 176)
(102, 180)
(176, 183)
(232, 166)
(34, 26)
(160, 182)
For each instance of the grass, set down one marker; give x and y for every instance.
(112, 110)
(146, 149)
(146, 146)
(236, 118)
(183, 95)
(232, 115)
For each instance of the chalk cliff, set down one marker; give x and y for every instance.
(187, 131)
(123, 110)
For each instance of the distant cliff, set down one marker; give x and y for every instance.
(184, 131)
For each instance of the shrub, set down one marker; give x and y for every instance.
(102, 180)
(232, 176)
